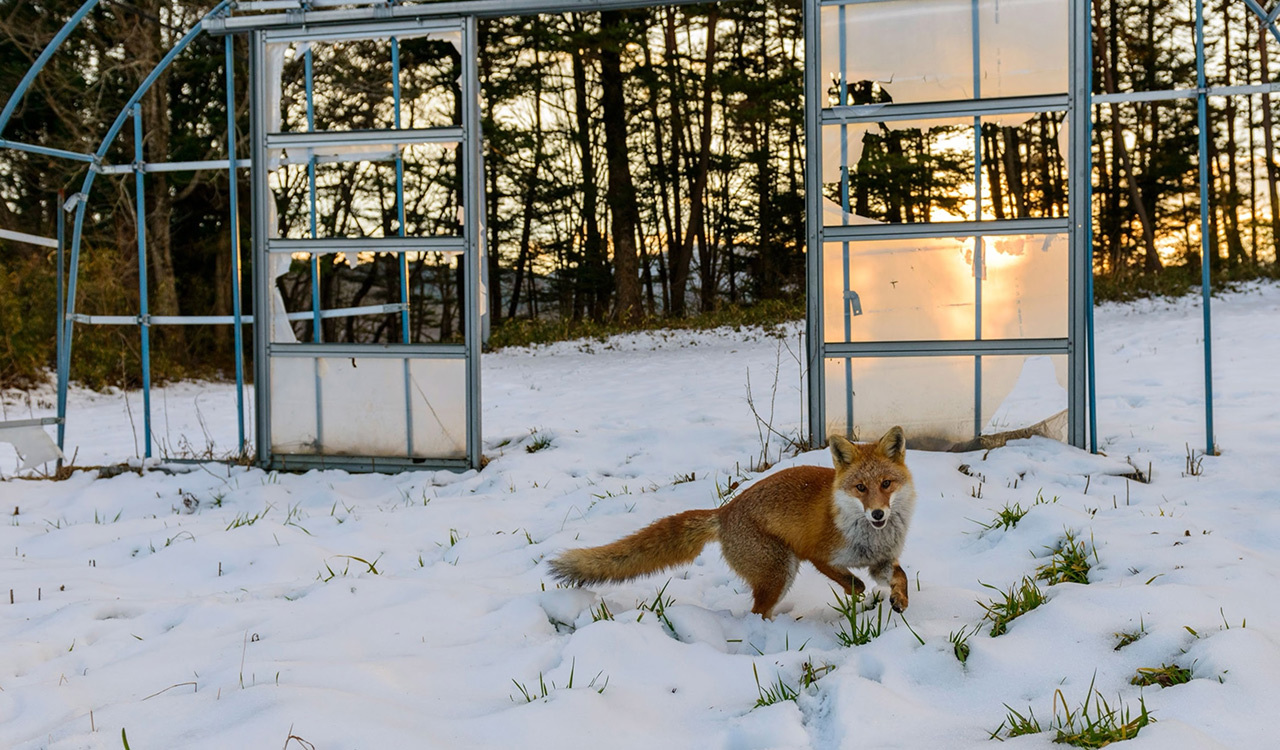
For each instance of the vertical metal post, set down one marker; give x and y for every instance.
(1082, 378)
(473, 189)
(238, 333)
(259, 195)
(316, 334)
(402, 259)
(58, 334)
(311, 196)
(1202, 117)
(846, 209)
(979, 268)
(814, 343)
(400, 220)
(144, 314)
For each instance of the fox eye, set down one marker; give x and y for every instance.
(861, 487)
(885, 484)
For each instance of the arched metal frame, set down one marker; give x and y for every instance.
(265, 14)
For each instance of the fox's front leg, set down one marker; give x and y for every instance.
(843, 576)
(891, 575)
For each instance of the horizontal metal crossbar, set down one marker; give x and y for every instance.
(174, 166)
(993, 347)
(382, 464)
(944, 110)
(369, 351)
(194, 320)
(1124, 97)
(296, 15)
(328, 245)
(38, 422)
(31, 239)
(46, 151)
(837, 233)
(342, 138)
(349, 32)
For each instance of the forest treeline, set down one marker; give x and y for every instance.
(640, 165)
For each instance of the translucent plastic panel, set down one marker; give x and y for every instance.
(295, 426)
(1024, 289)
(922, 50)
(924, 289)
(924, 170)
(358, 198)
(934, 399)
(363, 403)
(352, 84)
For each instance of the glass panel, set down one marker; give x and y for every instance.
(923, 289)
(358, 198)
(922, 50)
(923, 170)
(363, 401)
(351, 84)
(933, 398)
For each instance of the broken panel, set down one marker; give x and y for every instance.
(923, 50)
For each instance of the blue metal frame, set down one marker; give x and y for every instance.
(1202, 119)
(144, 314)
(39, 64)
(238, 331)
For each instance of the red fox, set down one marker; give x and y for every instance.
(851, 517)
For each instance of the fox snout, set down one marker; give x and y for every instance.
(878, 517)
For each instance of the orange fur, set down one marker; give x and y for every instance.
(826, 516)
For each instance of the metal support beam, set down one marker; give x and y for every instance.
(872, 113)
(814, 342)
(261, 279)
(144, 315)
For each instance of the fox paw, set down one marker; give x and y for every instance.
(898, 602)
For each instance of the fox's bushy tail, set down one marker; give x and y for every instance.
(674, 540)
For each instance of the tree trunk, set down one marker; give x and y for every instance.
(593, 280)
(1269, 145)
(1151, 258)
(623, 210)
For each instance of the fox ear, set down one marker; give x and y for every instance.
(893, 445)
(841, 450)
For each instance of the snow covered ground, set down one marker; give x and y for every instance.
(231, 608)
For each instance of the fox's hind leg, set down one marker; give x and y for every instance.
(890, 574)
(765, 563)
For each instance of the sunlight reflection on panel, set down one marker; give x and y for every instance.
(932, 398)
(923, 289)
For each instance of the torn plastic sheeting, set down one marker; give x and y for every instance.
(33, 444)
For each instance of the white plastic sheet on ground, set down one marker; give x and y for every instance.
(33, 444)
